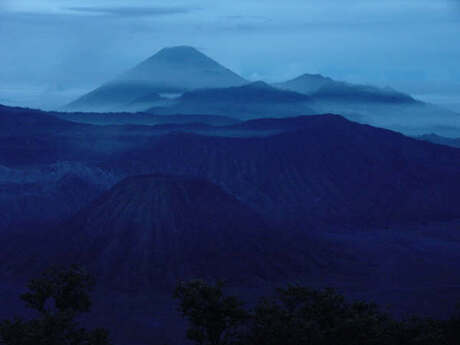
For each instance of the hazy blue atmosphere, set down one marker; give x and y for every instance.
(305, 153)
(55, 50)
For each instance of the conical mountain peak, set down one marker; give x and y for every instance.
(179, 51)
(156, 228)
(181, 48)
(171, 70)
(187, 62)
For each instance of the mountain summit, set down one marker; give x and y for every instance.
(182, 68)
(157, 229)
(171, 70)
(306, 83)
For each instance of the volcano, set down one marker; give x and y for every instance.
(154, 230)
(170, 71)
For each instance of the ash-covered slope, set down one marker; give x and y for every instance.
(331, 170)
(154, 230)
(171, 70)
(322, 167)
(48, 194)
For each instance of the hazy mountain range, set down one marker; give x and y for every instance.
(317, 199)
(255, 100)
(217, 177)
(182, 80)
(275, 166)
(326, 88)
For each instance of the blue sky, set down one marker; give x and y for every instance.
(52, 50)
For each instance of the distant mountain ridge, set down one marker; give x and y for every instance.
(305, 83)
(253, 100)
(181, 69)
(182, 80)
(381, 107)
(320, 87)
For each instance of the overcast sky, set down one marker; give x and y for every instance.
(52, 50)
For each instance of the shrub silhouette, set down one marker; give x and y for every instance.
(59, 295)
(299, 315)
(214, 319)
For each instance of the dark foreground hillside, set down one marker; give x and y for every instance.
(306, 169)
(318, 200)
(329, 170)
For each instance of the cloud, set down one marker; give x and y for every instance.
(126, 11)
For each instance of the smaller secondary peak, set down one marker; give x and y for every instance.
(313, 76)
(259, 85)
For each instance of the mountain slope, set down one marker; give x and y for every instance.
(322, 87)
(306, 83)
(436, 139)
(155, 230)
(381, 107)
(331, 170)
(16, 121)
(171, 70)
(183, 68)
(323, 168)
(249, 101)
(48, 194)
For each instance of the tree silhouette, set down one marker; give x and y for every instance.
(59, 295)
(214, 319)
(300, 315)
